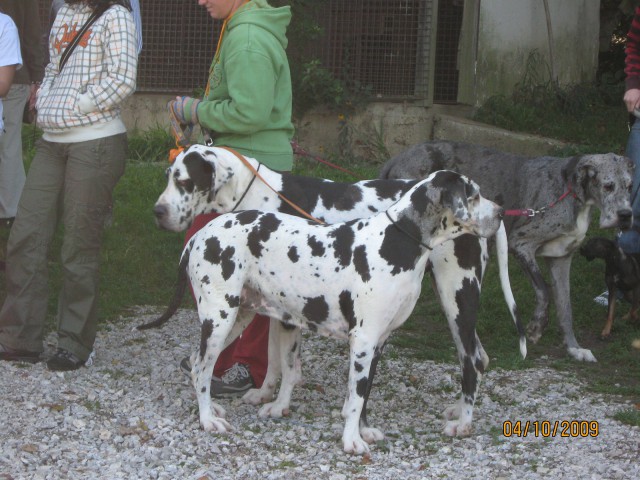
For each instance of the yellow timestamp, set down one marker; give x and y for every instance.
(550, 428)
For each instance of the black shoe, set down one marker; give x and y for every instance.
(63, 361)
(6, 222)
(236, 380)
(13, 355)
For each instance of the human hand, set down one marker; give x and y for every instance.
(185, 110)
(33, 92)
(632, 99)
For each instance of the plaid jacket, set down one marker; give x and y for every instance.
(99, 74)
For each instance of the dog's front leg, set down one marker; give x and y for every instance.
(360, 358)
(289, 360)
(203, 361)
(265, 393)
(560, 272)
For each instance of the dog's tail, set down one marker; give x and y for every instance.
(503, 269)
(178, 294)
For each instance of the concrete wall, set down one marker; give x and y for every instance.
(510, 31)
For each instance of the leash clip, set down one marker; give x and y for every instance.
(531, 212)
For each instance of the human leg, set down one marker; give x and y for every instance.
(629, 240)
(24, 311)
(94, 168)
(12, 175)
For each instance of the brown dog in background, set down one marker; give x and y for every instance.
(622, 273)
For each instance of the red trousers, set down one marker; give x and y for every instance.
(252, 347)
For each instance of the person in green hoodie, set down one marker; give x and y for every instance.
(247, 107)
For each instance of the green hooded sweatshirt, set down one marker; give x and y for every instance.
(248, 106)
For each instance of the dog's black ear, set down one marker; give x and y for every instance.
(578, 172)
(200, 171)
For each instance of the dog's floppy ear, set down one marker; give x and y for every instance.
(456, 190)
(222, 169)
(579, 172)
(200, 171)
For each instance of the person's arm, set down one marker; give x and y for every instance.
(632, 64)
(10, 58)
(6, 78)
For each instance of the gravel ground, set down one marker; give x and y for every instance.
(133, 415)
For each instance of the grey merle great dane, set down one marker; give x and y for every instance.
(209, 179)
(358, 280)
(561, 194)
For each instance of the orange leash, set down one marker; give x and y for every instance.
(285, 199)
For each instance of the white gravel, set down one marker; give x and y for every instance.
(133, 415)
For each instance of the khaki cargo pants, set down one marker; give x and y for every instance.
(71, 182)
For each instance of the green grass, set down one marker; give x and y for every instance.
(140, 261)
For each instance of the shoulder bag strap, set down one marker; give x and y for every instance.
(72, 45)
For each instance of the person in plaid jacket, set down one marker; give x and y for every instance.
(77, 164)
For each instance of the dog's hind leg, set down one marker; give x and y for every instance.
(370, 434)
(540, 318)
(559, 268)
(211, 342)
(361, 353)
(265, 393)
(289, 358)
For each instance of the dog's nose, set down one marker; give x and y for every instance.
(625, 217)
(160, 211)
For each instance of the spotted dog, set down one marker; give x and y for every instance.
(357, 280)
(209, 179)
(563, 190)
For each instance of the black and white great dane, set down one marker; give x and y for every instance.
(208, 179)
(561, 194)
(357, 280)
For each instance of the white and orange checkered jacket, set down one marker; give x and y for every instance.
(82, 101)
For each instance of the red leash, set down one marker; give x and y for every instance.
(530, 212)
(298, 150)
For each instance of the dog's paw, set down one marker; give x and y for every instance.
(582, 354)
(210, 423)
(534, 331)
(457, 429)
(355, 445)
(258, 396)
(273, 410)
(371, 435)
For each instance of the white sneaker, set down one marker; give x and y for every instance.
(602, 299)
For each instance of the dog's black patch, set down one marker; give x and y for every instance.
(362, 386)
(200, 172)
(343, 246)
(358, 366)
(205, 333)
(316, 309)
(247, 217)
(467, 251)
(347, 308)
(232, 300)
(293, 254)
(214, 254)
(469, 378)
(361, 263)
(317, 247)
(397, 249)
(386, 189)
(468, 302)
(267, 224)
